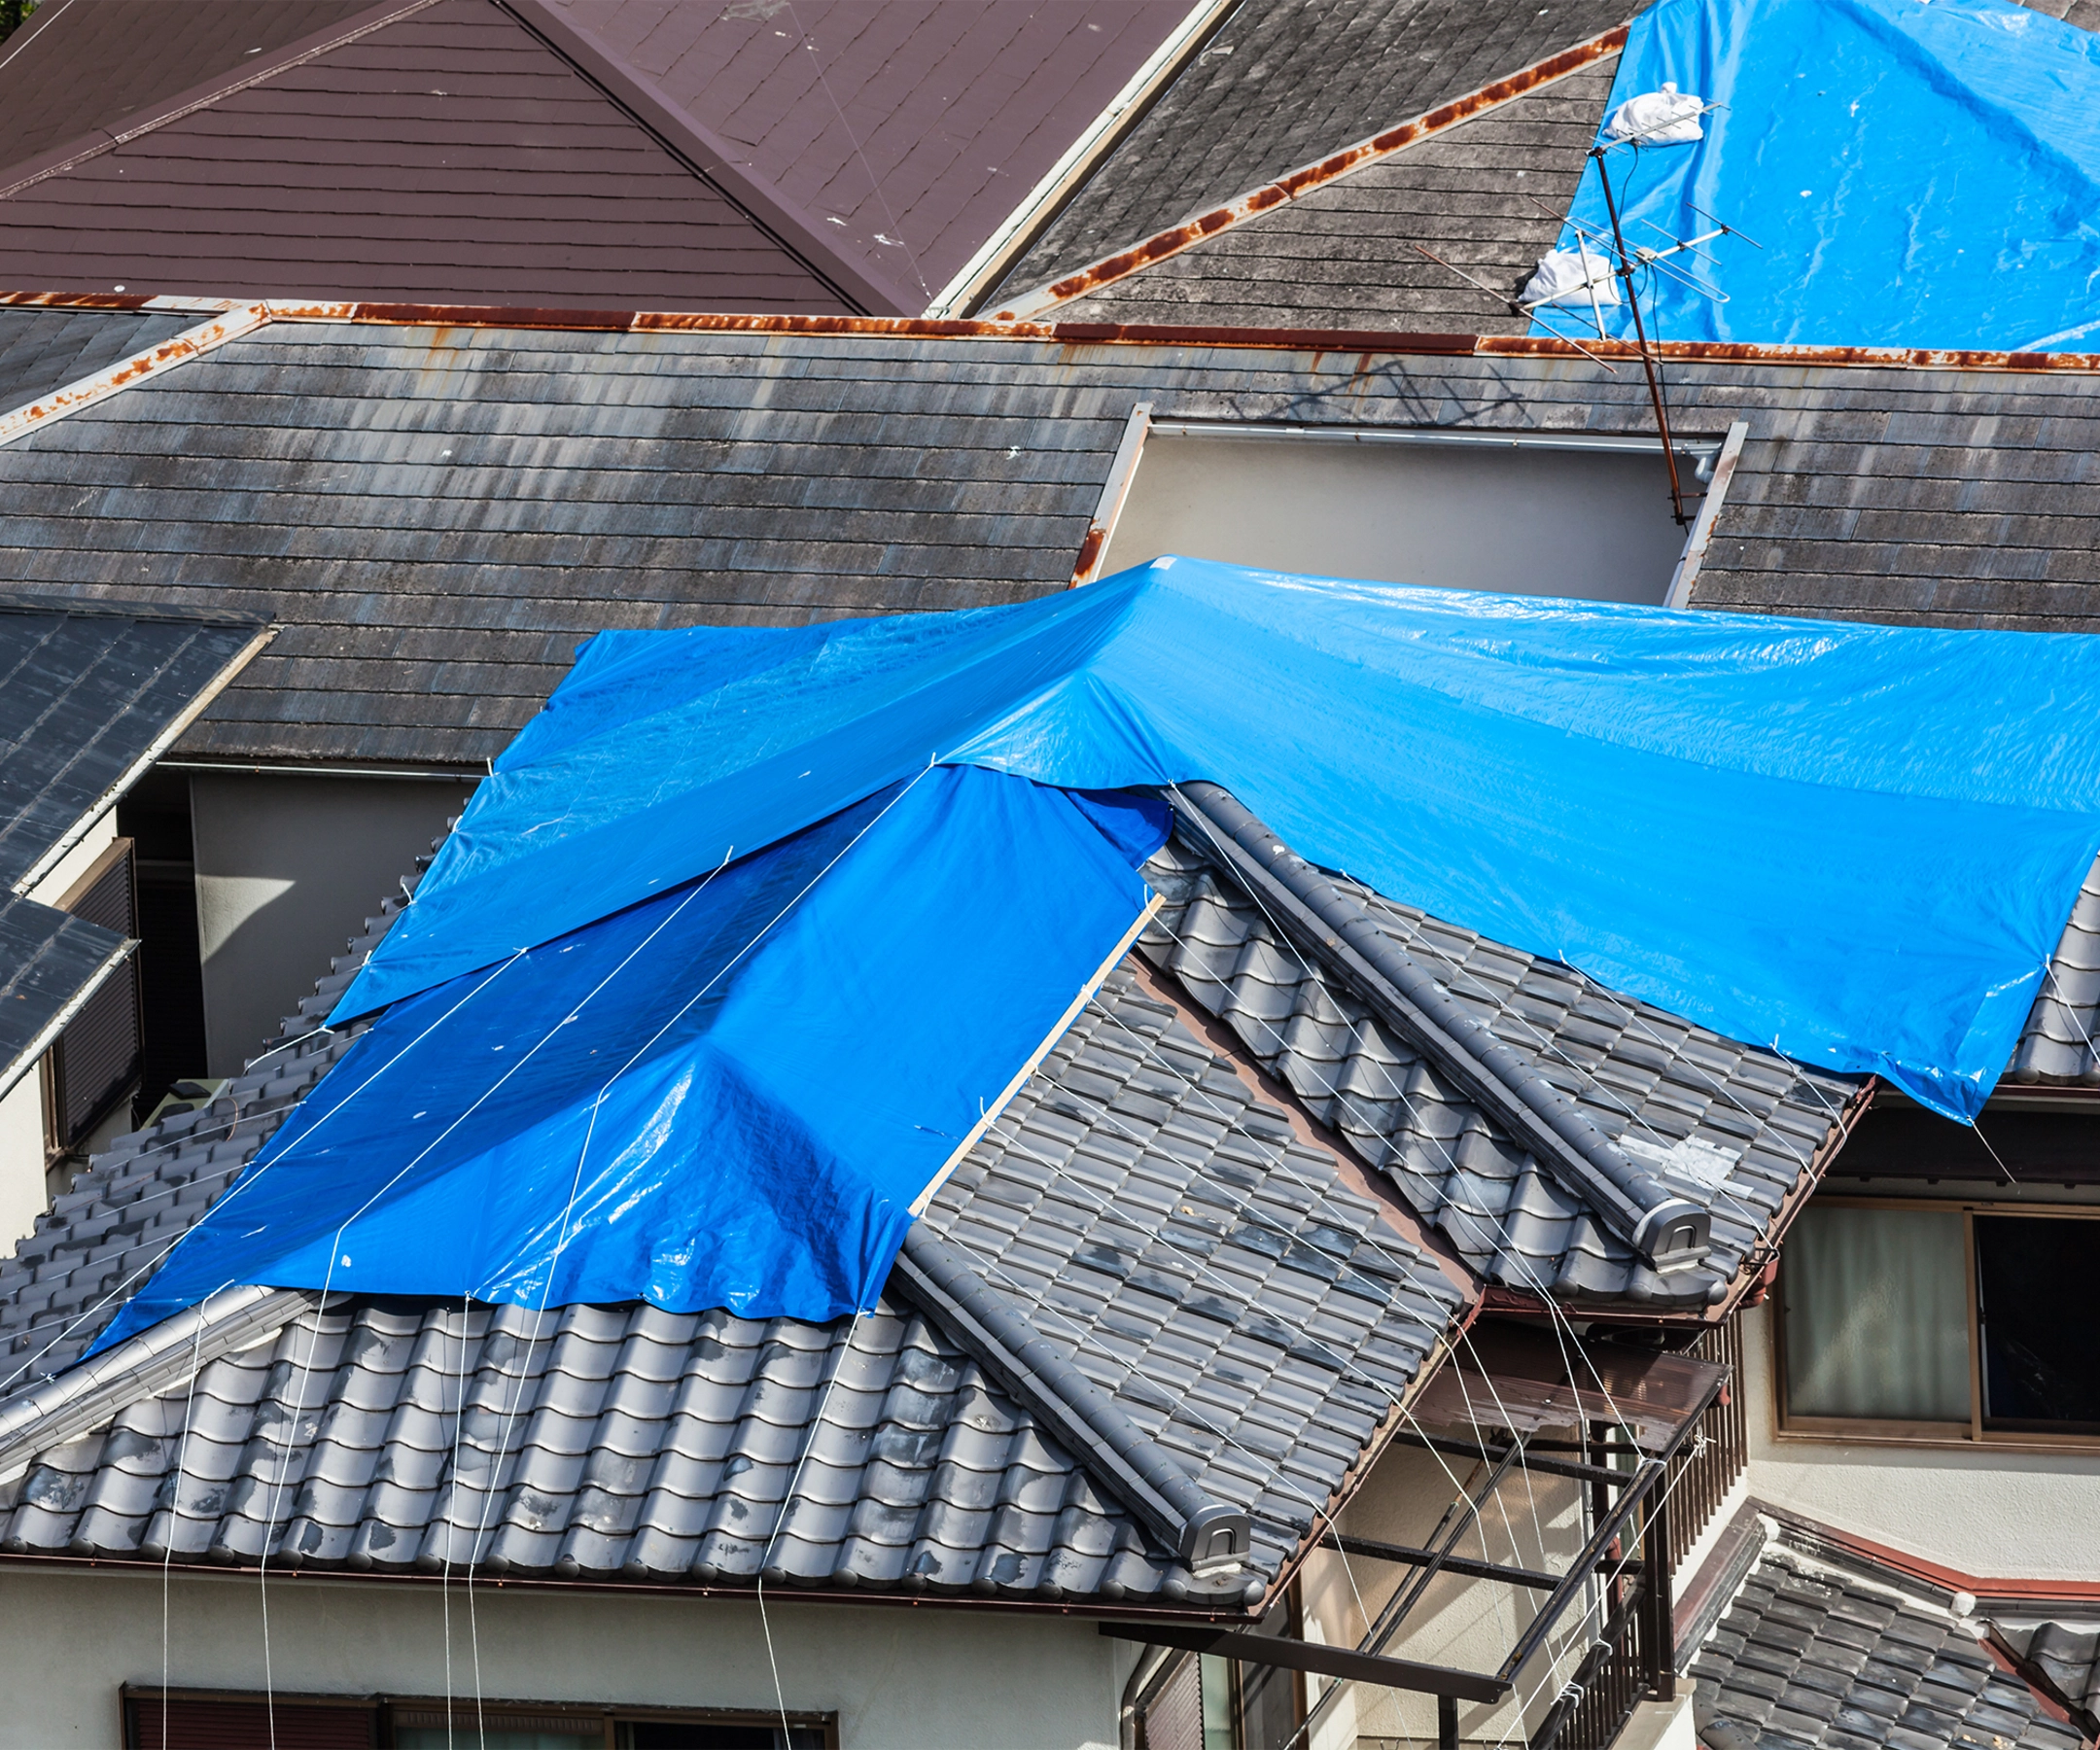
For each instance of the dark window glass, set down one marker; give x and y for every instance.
(2041, 1346)
(696, 1735)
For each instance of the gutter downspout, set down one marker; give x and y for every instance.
(1146, 1678)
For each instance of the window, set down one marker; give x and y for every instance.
(205, 1720)
(1543, 513)
(1937, 1321)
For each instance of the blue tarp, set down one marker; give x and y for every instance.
(1920, 173)
(725, 1095)
(1856, 843)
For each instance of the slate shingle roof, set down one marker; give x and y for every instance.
(438, 516)
(1281, 85)
(1137, 1203)
(49, 962)
(42, 349)
(85, 693)
(1484, 196)
(1811, 1653)
(1744, 1122)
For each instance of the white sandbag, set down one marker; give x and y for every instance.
(1666, 118)
(1566, 276)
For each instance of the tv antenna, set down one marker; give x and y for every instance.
(1614, 258)
(1634, 260)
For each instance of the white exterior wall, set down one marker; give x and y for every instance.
(21, 1158)
(22, 1191)
(899, 1678)
(2000, 1516)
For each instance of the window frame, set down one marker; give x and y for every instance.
(381, 1708)
(1969, 1436)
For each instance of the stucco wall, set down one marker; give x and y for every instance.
(899, 1678)
(1993, 1515)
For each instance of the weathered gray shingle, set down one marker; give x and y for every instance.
(42, 349)
(1285, 83)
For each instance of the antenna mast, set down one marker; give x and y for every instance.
(1649, 363)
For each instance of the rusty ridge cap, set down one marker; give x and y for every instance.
(1293, 184)
(1744, 352)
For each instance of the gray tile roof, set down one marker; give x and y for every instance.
(438, 540)
(1812, 1654)
(1137, 1204)
(86, 692)
(2066, 1654)
(42, 349)
(1483, 195)
(2057, 1045)
(1731, 1127)
(1285, 83)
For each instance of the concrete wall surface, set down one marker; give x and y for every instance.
(1529, 521)
(899, 1678)
(1995, 1515)
(288, 869)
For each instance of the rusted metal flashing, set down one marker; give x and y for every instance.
(1304, 179)
(231, 325)
(1686, 576)
(1717, 352)
(237, 320)
(111, 300)
(1114, 490)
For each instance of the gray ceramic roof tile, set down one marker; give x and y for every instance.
(1823, 1653)
(1135, 1202)
(2066, 1654)
(1648, 1080)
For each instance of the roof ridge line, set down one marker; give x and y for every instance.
(1212, 1537)
(75, 1401)
(709, 157)
(95, 140)
(1668, 1231)
(1292, 184)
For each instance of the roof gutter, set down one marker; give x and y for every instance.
(1671, 1232)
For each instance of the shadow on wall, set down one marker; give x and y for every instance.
(288, 869)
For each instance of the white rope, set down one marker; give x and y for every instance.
(779, 1518)
(182, 1471)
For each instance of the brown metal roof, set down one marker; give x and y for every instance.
(909, 130)
(81, 65)
(826, 155)
(446, 153)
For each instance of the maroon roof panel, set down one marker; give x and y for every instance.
(80, 64)
(449, 155)
(909, 128)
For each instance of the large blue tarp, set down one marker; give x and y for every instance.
(727, 1096)
(1856, 843)
(1920, 173)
